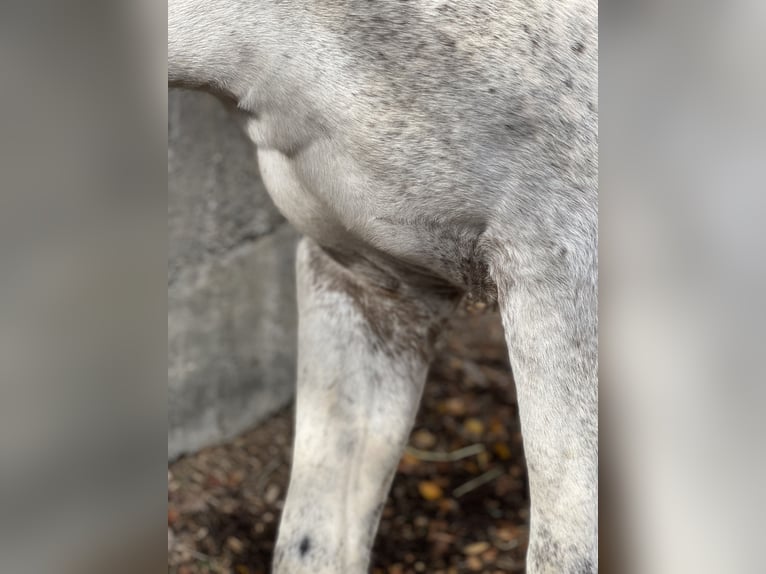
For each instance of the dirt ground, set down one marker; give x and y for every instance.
(466, 513)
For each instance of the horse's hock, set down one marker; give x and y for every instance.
(231, 292)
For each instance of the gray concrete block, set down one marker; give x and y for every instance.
(231, 286)
(216, 199)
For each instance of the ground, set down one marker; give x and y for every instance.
(465, 513)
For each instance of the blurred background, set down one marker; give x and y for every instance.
(90, 395)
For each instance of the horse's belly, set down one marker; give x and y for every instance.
(295, 191)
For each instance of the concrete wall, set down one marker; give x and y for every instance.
(231, 292)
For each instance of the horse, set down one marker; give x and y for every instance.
(428, 151)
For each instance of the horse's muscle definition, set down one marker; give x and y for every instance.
(427, 149)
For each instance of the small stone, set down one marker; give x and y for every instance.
(476, 548)
(502, 451)
(474, 563)
(201, 534)
(505, 534)
(474, 427)
(407, 463)
(423, 439)
(454, 406)
(430, 490)
(490, 555)
(272, 493)
(235, 545)
(448, 505)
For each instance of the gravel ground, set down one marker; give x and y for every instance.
(469, 514)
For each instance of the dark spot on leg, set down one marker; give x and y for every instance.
(492, 90)
(568, 83)
(578, 48)
(305, 546)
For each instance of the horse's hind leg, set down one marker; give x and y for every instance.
(551, 321)
(363, 357)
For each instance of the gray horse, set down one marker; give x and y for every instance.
(427, 149)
